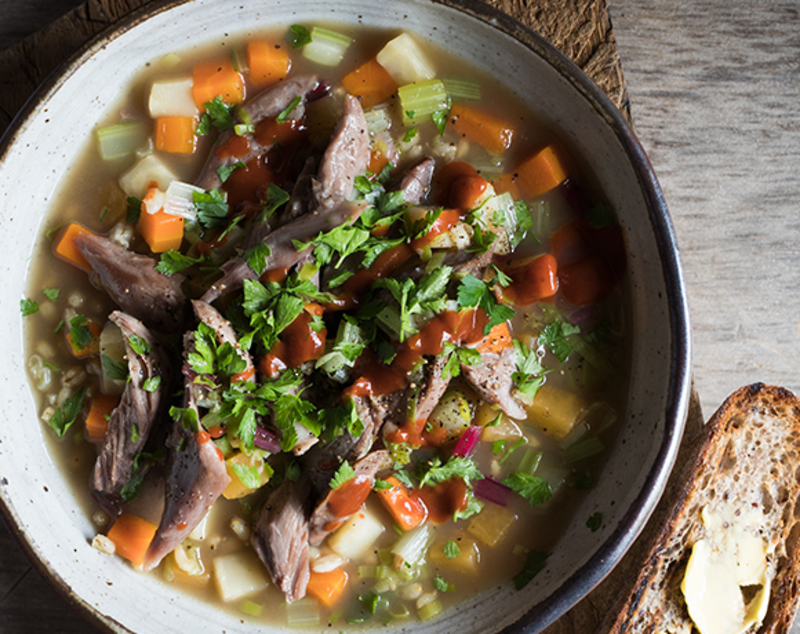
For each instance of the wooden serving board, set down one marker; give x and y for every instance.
(581, 29)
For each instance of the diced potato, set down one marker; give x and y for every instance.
(172, 98)
(239, 575)
(467, 560)
(492, 524)
(136, 181)
(452, 414)
(237, 489)
(404, 60)
(506, 429)
(555, 411)
(458, 237)
(357, 535)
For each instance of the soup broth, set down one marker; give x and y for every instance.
(332, 325)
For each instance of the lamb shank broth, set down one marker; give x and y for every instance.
(328, 322)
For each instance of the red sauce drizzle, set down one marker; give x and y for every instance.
(350, 496)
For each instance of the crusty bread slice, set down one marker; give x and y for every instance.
(750, 460)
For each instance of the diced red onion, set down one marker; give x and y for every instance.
(492, 491)
(468, 441)
(267, 440)
(322, 89)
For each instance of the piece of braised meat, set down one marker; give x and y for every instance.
(416, 181)
(195, 478)
(142, 405)
(280, 537)
(491, 379)
(132, 281)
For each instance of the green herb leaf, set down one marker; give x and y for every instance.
(51, 293)
(300, 36)
(172, 262)
(595, 521)
(256, 257)
(139, 345)
(151, 384)
(224, 171)
(451, 549)
(212, 208)
(247, 475)
(474, 293)
(534, 489)
(28, 307)
(534, 564)
(276, 197)
(132, 210)
(529, 375)
(218, 113)
(115, 370)
(410, 134)
(79, 335)
(441, 585)
(554, 336)
(284, 114)
(456, 467)
(522, 216)
(344, 474)
(440, 120)
(65, 415)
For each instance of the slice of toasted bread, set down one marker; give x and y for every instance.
(744, 484)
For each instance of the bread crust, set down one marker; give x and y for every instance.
(750, 456)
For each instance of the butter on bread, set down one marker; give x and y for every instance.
(726, 560)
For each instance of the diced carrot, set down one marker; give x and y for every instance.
(377, 161)
(498, 339)
(532, 281)
(406, 509)
(507, 183)
(585, 281)
(161, 231)
(176, 134)
(97, 418)
(65, 248)
(217, 79)
(445, 177)
(90, 348)
(327, 587)
(541, 172)
(370, 82)
(495, 134)
(269, 62)
(132, 536)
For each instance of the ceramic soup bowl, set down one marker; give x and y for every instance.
(39, 151)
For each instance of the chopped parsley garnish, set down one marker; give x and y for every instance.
(381, 485)
(410, 134)
(133, 210)
(343, 240)
(212, 208)
(474, 293)
(141, 465)
(115, 370)
(256, 257)
(345, 473)
(534, 564)
(554, 336)
(139, 345)
(595, 521)
(218, 114)
(172, 262)
(210, 358)
(523, 222)
(28, 307)
(441, 585)
(134, 433)
(79, 335)
(276, 198)
(224, 171)
(151, 384)
(247, 475)
(451, 549)
(440, 120)
(284, 114)
(187, 417)
(534, 489)
(291, 409)
(413, 299)
(456, 467)
(300, 36)
(66, 415)
(529, 375)
(51, 293)
(458, 356)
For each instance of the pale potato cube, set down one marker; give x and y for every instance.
(492, 524)
(172, 98)
(239, 575)
(555, 411)
(150, 169)
(355, 537)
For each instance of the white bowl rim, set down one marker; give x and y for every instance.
(576, 587)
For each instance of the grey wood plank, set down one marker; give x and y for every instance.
(20, 19)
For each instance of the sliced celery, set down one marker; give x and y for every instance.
(540, 214)
(491, 167)
(120, 140)
(529, 459)
(404, 60)
(411, 547)
(462, 90)
(430, 610)
(326, 47)
(378, 119)
(251, 608)
(420, 99)
(587, 447)
(303, 613)
(592, 354)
